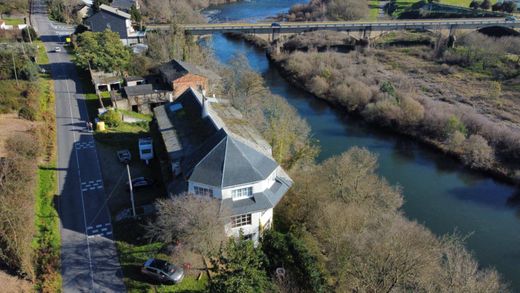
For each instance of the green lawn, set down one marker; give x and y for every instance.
(132, 258)
(374, 9)
(13, 21)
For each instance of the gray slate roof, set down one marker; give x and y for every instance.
(225, 161)
(138, 90)
(176, 69)
(114, 11)
(125, 5)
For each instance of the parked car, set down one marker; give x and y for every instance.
(124, 156)
(162, 271)
(57, 49)
(140, 182)
(140, 211)
(511, 18)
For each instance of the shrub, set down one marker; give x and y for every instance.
(318, 85)
(456, 141)
(477, 152)
(454, 124)
(112, 118)
(28, 113)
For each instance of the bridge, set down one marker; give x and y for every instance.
(354, 26)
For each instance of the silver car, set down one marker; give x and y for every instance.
(163, 271)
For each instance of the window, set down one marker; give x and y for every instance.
(242, 220)
(249, 236)
(203, 191)
(242, 193)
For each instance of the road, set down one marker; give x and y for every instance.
(297, 27)
(89, 261)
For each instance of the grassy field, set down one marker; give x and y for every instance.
(47, 242)
(13, 21)
(374, 9)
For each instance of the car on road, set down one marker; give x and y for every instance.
(57, 49)
(511, 18)
(276, 24)
(163, 271)
(141, 211)
(140, 182)
(124, 156)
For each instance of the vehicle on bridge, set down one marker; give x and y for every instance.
(511, 18)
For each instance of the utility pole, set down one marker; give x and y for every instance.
(131, 189)
(14, 67)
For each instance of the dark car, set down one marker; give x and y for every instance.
(140, 182)
(162, 271)
(276, 24)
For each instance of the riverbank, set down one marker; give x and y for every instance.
(478, 120)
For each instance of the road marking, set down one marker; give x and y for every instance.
(91, 185)
(99, 226)
(85, 145)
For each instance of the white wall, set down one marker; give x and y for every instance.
(217, 193)
(259, 186)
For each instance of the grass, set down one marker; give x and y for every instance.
(13, 21)
(374, 9)
(47, 241)
(132, 257)
(133, 114)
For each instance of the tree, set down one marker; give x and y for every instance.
(474, 4)
(497, 6)
(101, 51)
(486, 4)
(136, 14)
(509, 6)
(196, 222)
(239, 268)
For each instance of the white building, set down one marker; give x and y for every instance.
(216, 161)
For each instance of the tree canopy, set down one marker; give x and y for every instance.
(240, 268)
(104, 51)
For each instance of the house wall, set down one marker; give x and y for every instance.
(254, 228)
(217, 193)
(189, 80)
(259, 186)
(103, 20)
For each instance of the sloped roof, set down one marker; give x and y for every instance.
(125, 5)
(176, 69)
(115, 11)
(138, 90)
(225, 161)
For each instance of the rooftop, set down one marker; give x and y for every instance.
(176, 69)
(101, 77)
(125, 5)
(115, 11)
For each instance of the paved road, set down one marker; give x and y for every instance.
(88, 256)
(297, 27)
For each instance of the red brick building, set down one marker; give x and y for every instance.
(181, 76)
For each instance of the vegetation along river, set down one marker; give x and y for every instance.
(438, 191)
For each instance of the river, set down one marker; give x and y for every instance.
(439, 192)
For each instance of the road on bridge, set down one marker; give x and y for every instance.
(89, 261)
(297, 27)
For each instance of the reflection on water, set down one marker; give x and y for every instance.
(438, 191)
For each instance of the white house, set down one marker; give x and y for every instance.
(214, 160)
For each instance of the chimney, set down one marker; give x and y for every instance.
(170, 97)
(204, 107)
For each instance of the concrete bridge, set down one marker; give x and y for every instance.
(364, 28)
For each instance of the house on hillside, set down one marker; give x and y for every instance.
(211, 156)
(182, 75)
(115, 20)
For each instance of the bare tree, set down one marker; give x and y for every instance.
(196, 222)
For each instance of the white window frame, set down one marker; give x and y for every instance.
(241, 193)
(241, 220)
(199, 190)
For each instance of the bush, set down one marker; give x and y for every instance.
(29, 71)
(477, 152)
(112, 118)
(28, 113)
(454, 124)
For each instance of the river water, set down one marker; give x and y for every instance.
(438, 191)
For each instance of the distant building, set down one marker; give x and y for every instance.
(117, 21)
(180, 76)
(212, 157)
(125, 5)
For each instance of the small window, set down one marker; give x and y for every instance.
(242, 220)
(242, 193)
(203, 191)
(249, 236)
